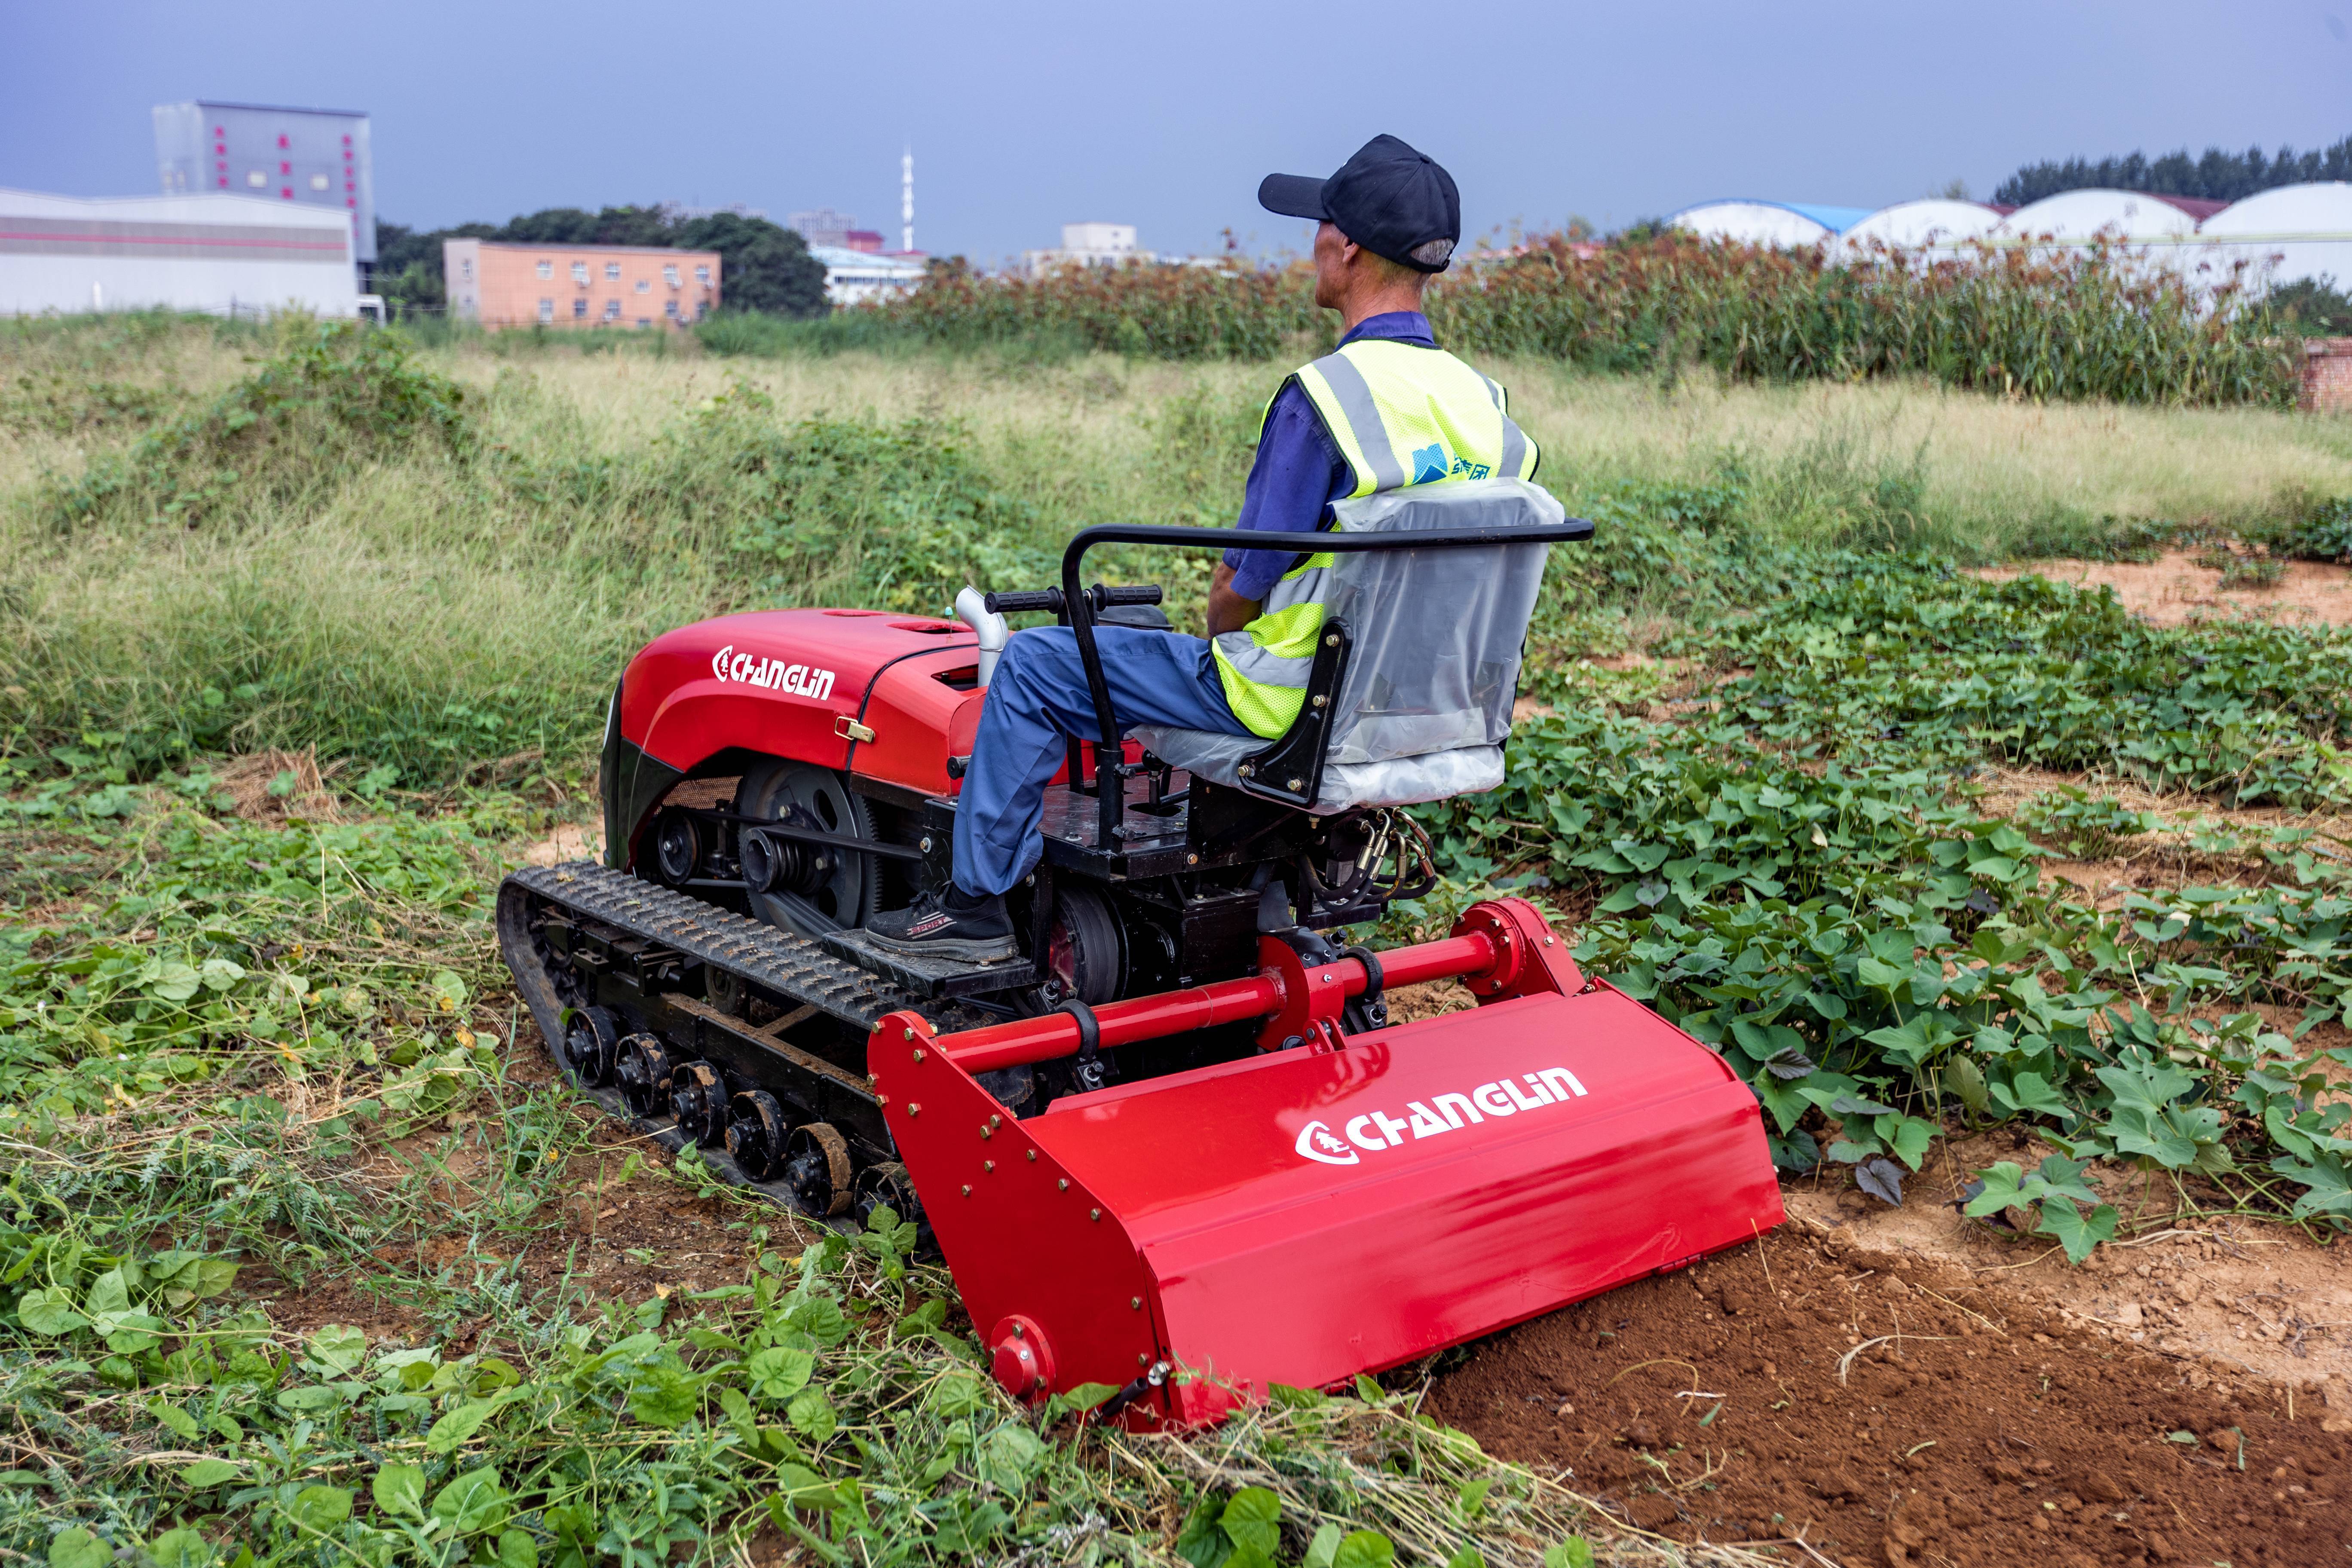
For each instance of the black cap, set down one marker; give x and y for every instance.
(1388, 198)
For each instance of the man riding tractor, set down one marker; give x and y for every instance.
(1386, 410)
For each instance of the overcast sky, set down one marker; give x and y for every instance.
(1022, 117)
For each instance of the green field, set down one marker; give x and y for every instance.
(290, 1256)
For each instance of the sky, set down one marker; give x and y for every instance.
(1022, 117)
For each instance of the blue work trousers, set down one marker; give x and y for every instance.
(1037, 697)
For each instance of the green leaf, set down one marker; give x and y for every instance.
(207, 1473)
(1084, 1397)
(2002, 1189)
(1203, 1543)
(958, 1393)
(75, 1547)
(474, 1503)
(1573, 1552)
(1323, 1548)
(517, 1550)
(338, 1349)
(312, 1398)
(664, 1396)
(321, 1508)
(399, 1490)
(780, 1372)
(183, 1424)
(182, 1548)
(2076, 1232)
(1011, 1455)
(456, 1426)
(1967, 1080)
(49, 1311)
(1364, 1549)
(1253, 1518)
(1466, 1556)
(811, 1415)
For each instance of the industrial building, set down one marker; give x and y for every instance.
(2277, 236)
(2297, 232)
(219, 253)
(1935, 224)
(1089, 245)
(861, 277)
(497, 285)
(1784, 225)
(315, 158)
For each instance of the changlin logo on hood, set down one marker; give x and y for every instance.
(1376, 1131)
(771, 674)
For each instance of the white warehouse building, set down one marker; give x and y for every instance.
(1782, 225)
(219, 255)
(2287, 234)
(1935, 225)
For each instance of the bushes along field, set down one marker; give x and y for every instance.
(2095, 324)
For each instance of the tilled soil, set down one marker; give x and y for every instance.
(1890, 1411)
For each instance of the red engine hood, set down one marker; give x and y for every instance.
(781, 681)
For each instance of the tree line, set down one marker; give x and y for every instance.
(763, 266)
(2217, 175)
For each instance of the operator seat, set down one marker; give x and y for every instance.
(1423, 703)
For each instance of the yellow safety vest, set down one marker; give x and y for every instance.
(1402, 415)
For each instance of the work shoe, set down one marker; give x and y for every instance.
(950, 924)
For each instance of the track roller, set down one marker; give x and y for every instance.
(592, 1044)
(756, 1134)
(885, 1185)
(698, 1100)
(818, 1169)
(644, 1074)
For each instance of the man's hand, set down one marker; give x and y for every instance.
(1228, 611)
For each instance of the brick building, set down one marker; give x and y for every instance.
(2327, 374)
(500, 285)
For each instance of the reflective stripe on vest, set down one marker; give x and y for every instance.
(1402, 415)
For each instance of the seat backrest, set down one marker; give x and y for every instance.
(1437, 633)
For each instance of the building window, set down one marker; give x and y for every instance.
(701, 309)
(670, 309)
(465, 269)
(702, 275)
(644, 286)
(669, 275)
(547, 309)
(612, 309)
(579, 311)
(318, 182)
(612, 273)
(546, 269)
(258, 180)
(580, 272)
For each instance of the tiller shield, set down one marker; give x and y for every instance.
(1342, 1206)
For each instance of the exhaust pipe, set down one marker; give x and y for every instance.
(972, 609)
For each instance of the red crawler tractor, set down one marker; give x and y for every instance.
(1176, 1146)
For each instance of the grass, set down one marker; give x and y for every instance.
(291, 1229)
(236, 551)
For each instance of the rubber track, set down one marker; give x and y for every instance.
(783, 964)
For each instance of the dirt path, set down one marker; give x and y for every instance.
(1890, 1410)
(2175, 589)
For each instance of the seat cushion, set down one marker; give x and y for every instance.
(1400, 781)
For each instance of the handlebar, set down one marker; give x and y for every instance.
(1099, 597)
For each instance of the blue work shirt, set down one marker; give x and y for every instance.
(1299, 471)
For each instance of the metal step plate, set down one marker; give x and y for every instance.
(930, 977)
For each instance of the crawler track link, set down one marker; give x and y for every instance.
(680, 986)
